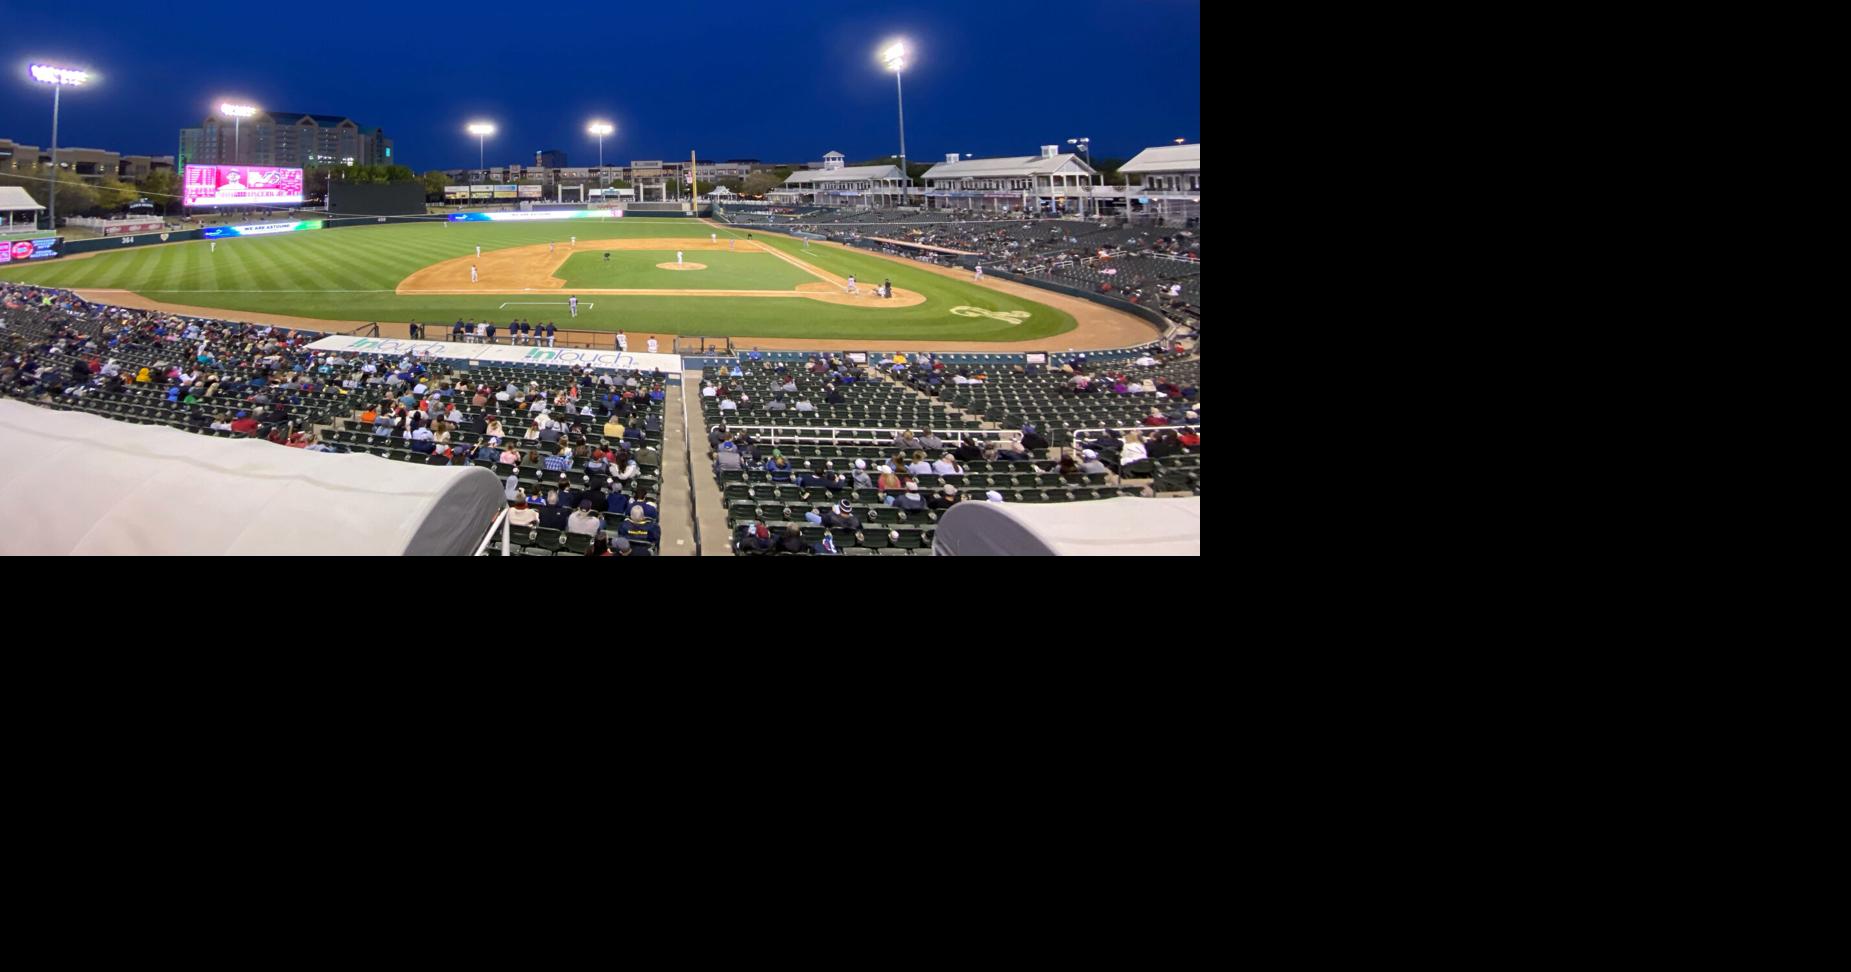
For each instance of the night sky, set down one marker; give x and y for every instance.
(989, 77)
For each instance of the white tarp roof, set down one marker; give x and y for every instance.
(853, 173)
(1127, 526)
(13, 198)
(75, 483)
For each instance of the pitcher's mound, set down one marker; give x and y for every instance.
(681, 266)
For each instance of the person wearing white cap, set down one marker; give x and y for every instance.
(861, 477)
(1090, 462)
(944, 499)
(993, 496)
(910, 500)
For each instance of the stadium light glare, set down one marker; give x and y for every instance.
(238, 113)
(894, 56)
(59, 78)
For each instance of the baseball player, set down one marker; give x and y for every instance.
(980, 272)
(652, 344)
(623, 341)
(851, 285)
(572, 303)
(607, 258)
(549, 248)
(478, 251)
(215, 247)
(678, 258)
(472, 273)
(574, 241)
(714, 237)
(730, 247)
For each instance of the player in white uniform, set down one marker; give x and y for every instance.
(652, 344)
(714, 237)
(215, 247)
(549, 248)
(979, 271)
(678, 258)
(478, 251)
(472, 273)
(851, 286)
(572, 302)
(574, 241)
(623, 341)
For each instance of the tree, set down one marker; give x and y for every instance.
(434, 183)
(1108, 171)
(763, 181)
(159, 185)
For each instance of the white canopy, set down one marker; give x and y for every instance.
(1127, 526)
(75, 483)
(15, 199)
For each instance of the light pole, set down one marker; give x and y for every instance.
(481, 130)
(601, 129)
(59, 78)
(238, 113)
(1085, 147)
(895, 59)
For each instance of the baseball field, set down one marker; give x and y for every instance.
(666, 276)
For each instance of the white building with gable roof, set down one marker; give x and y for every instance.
(1049, 182)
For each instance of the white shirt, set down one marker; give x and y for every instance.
(652, 345)
(709, 392)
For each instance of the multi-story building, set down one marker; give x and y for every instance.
(1049, 182)
(550, 159)
(835, 183)
(1169, 180)
(15, 157)
(134, 168)
(290, 139)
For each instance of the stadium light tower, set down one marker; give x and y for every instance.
(1085, 147)
(59, 79)
(601, 129)
(482, 130)
(238, 113)
(894, 56)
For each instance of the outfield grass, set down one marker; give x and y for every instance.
(351, 274)
(637, 270)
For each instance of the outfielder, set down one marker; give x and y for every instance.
(215, 247)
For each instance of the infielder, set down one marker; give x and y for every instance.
(607, 258)
(478, 251)
(713, 237)
(574, 241)
(472, 273)
(979, 271)
(851, 285)
(549, 248)
(678, 258)
(572, 303)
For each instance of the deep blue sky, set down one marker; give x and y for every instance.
(990, 77)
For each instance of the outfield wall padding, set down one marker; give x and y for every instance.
(123, 242)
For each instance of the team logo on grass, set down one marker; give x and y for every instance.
(1012, 317)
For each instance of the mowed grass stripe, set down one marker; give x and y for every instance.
(376, 259)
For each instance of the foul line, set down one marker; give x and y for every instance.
(544, 303)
